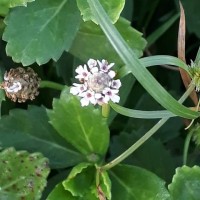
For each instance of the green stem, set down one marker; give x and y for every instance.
(105, 110)
(186, 147)
(50, 84)
(144, 138)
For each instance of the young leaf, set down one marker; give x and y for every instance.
(80, 179)
(83, 127)
(134, 183)
(112, 7)
(90, 35)
(185, 183)
(22, 174)
(30, 130)
(41, 31)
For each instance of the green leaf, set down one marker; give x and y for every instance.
(30, 130)
(139, 113)
(42, 31)
(158, 161)
(112, 7)
(6, 4)
(80, 179)
(83, 127)
(90, 35)
(155, 61)
(185, 184)
(59, 193)
(22, 174)
(54, 180)
(136, 67)
(134, 183)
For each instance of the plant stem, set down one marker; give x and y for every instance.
(144, 138)
(50, 84)
(105, 110)
(186, 147)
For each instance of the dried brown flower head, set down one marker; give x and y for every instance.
(21, 84)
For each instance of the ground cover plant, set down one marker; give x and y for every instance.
(99, 100)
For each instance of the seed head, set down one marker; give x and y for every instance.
(21, 84)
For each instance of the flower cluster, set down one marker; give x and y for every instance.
(194, 70)
(97, 84)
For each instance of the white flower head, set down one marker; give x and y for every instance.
(97, 84)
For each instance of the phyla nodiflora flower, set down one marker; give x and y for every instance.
(97, 84)
(194, 70)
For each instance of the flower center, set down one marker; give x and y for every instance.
(98, 81)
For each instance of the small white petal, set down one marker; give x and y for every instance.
(99, 63)
(98, 95)
(93, 100)
(115, 98)
(116, 84)
(106, 98)
(111, 95)
(74, 90)
(79, 69)
(92, 63)
(84, 102)
(82, 72)
(111, 74)
(111, 65)
(88, 96)
(94, 70)
(77, 89)
(6, 77)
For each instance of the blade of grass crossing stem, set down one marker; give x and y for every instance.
(136, 67)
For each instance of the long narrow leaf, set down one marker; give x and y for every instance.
(141, 114)
(181, 54)
(136, 67)
(154, 61)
